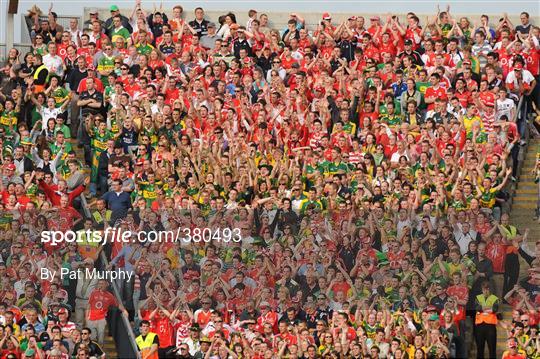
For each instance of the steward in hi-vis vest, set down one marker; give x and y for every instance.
(147, 342)
(485, 322)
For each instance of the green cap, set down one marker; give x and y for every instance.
(114, 8)
(434, 316)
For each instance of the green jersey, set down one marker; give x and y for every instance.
(121, 32)
(144, 49)
(105, 64)
(59, 94)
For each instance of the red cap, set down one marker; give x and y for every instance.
(518, 66)
(10, 166)
(319, 89)
(326, 16)
(466, 62)
(375, 18)
(62, 311)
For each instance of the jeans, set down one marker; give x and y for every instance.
(98, 329)
(80, 308)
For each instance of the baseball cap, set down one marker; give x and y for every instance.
(434, 316)
(234, 26)
(114, 8)
(264, 304)
(375, 18)
(10, 166)
(29, 353)
(408, 42)
(518, 66)
(205, 340)
(211, 24)
(352, 18)
(93, 11)
(326, 16)
(62, 311)
(466, 62)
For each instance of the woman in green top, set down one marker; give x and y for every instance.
(39, 48)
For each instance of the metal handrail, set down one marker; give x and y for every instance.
(512, 187)
(85, 207)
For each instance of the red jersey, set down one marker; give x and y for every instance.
(461, 292)
(163, 328)
(497, 253)
(99, 302)
(438, 92)
(201, 317)
(351, 333)
(533, 62)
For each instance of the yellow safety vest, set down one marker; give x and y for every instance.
(488, 318)
(38, 71)
(99, 218)
(510, 232)
(146, 344)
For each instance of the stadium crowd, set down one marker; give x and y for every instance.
(362, 167)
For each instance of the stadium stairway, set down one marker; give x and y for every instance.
(109, 347)
(522, 216)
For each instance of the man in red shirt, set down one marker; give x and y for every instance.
(55, 195)
(458, 290)
(435, 91)
(161, 324)
(99, 302)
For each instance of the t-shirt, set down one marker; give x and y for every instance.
(99, 303)
(121, 32)
(105, 64)
(505, 107)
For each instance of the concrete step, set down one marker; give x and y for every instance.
(528, 205)
(527, 185)
(527, 191)
(109, 347)
(525, 197)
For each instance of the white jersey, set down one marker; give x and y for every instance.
(505, 107)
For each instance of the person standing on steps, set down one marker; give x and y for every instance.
(485, 323)
(147, 342)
